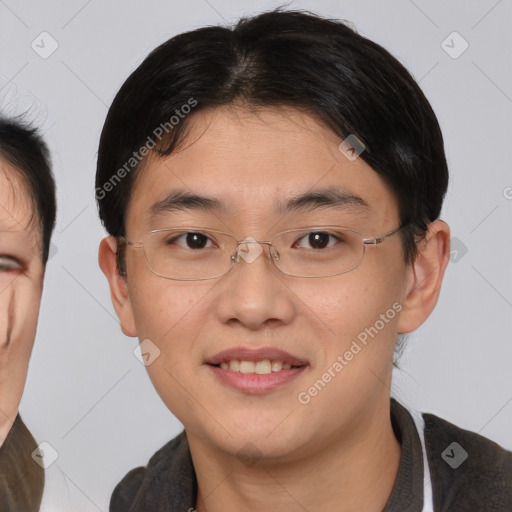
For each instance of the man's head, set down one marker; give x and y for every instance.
(354, 86)
(27, 218)
(288, 121)
(24, 152)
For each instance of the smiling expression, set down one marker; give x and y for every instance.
(236, 350)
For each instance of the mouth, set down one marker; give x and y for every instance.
(255, 371)
(263, 367)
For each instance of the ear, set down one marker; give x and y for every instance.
(425, 276)
(107, 258)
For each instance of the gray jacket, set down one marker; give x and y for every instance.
(482, 482)
(21, 478)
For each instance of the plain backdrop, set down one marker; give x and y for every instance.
(87, 395)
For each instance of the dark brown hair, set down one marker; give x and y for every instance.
(290, 58)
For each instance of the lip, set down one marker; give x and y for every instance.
(253, 383)
(255, 354)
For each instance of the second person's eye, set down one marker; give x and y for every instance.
(9, 263)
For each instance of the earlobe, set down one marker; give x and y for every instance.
(107, 258)
(425, 277)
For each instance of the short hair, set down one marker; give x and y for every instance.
(280, 58)
(24, 149)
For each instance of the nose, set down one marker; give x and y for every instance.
(253, 293)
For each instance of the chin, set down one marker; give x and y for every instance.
(252, 436)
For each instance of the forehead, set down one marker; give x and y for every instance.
(253, 162)
(16, 205)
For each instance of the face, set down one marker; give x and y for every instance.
(21, 277)
(252, 164)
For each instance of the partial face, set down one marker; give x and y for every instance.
(255, 317)
(21, 277)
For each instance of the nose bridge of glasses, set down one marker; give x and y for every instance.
(250, 249)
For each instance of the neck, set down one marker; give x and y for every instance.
(356, 471)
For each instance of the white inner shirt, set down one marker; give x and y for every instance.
(428, 503)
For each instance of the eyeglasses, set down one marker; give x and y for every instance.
(193, 253)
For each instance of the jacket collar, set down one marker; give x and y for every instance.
(406, 496)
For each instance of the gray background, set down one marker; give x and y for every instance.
(87, 395)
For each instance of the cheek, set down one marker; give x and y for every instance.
(359, 325)
(157, 303)
(19, 309)
(178, 325)
(343, 306)
(171, 313)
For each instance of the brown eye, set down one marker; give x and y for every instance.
(317, 240)
(190, 240)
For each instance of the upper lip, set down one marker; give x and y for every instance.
(255, 354)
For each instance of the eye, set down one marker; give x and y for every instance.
(318, 240)
(7, 263)
(190, 240)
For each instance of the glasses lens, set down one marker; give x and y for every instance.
(318, 252)
(194, 253)
(186, 253)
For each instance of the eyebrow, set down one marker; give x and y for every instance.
(181, 200)
(329, 197)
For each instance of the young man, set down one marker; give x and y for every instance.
(27, 219)
(272, 195)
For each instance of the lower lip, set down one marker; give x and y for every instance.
(254, 383)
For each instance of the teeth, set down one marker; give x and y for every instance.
(263, 367)
(246, 367)
(277, 366)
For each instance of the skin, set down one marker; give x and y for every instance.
(21, 281)
(251, 161)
